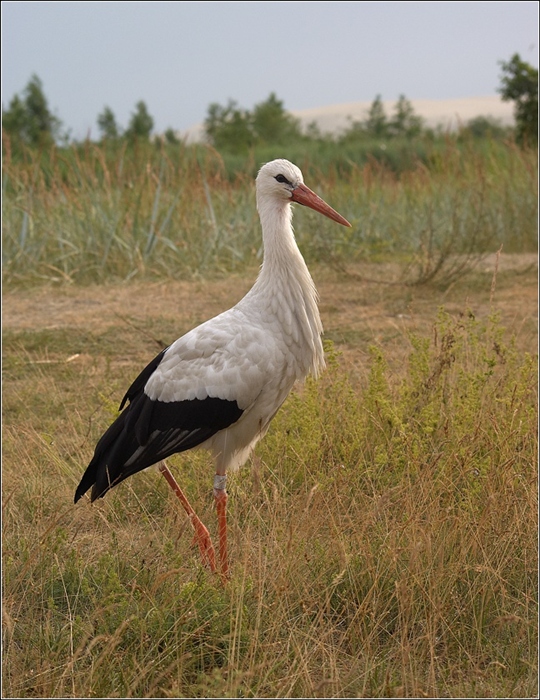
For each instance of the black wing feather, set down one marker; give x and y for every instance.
(148, 431)
(139, 384)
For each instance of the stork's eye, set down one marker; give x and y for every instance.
(282, 179)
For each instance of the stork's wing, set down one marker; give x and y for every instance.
(148, 431)
(198, 386)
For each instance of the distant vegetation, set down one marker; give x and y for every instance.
(519, 84)
(133, 205)
(232, 129)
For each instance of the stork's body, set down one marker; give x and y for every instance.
(219, 386)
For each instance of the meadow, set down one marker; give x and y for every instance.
(383, 537)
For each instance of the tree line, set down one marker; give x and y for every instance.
(28, 120)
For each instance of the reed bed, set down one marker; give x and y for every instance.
(90, 214)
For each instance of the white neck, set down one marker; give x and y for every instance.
(285, 285)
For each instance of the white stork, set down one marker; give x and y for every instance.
(219, 386)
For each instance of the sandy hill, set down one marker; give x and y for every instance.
(447, 113)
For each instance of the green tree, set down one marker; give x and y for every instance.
(236, 130)
(405, 122)
(14, 118)
(43, 127)
(171, 137)
(484, 127)
(356, 131)
(228, 127)
(29, 119)
(271, 124)
(377, 123)
(141, 123)
(519, 84)
(107, 125)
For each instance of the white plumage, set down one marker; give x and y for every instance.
(219, 386)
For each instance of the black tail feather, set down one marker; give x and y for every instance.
(148, 431)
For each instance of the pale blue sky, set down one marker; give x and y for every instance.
(180, 56)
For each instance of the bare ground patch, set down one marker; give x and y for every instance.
(356, 311)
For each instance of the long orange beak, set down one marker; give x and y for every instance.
(303, 195)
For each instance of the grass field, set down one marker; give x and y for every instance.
(383, 538)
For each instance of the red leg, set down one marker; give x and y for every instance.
(202, 536)
(220, 494)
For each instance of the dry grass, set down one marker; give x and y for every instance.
(383, 539)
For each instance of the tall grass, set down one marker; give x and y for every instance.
(383, 542)
(95, 213)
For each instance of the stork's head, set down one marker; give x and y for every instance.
(281, 181)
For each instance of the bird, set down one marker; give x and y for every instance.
(219, 386)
